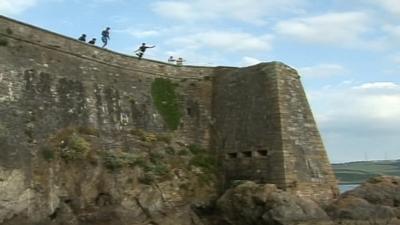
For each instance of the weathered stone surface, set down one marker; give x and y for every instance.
(256, 119)
(256, 204)
(377, 198)
(83, 142)
(106, 188)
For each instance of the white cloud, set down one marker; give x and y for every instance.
(15, 6)
(378, 85)
(224, 40)
(344, 29)
(253, 11)
(322, 71)
(248, 61)
(139, 33)
(391, 6)
(359, 109)
(359, 118)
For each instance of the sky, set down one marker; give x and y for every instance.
(346, 51)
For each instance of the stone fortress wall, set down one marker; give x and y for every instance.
(256, 119)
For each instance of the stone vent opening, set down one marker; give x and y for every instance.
(262, 153)
(189, 111)
(232, 155)
(247, 154)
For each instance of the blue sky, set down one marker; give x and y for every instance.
(346, 51)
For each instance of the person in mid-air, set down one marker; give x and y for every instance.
(82, 38)
(105, 36)
(93, 41)
(142, 49)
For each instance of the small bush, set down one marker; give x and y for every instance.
(204, 161)
(170, 150)
(114, 160)
(195, 149)
(164, 138)
(159, 169)
(76, 148)
(88, 130)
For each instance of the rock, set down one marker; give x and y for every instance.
(263, 204)
(377, 198)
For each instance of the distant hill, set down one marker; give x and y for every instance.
(357, 172)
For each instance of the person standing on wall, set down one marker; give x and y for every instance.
(179, 61)
(142, 49)
(105, 36)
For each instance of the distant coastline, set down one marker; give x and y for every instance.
(354, 173)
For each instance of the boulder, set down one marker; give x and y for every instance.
(264, 204)
(377, 198)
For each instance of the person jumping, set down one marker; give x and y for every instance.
(105, 36)
(142, 49)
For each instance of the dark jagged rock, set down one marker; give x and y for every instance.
(256, 204)
(376, 199)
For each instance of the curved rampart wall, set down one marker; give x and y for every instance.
(49, 82)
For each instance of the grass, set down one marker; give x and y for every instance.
(358, 172)
(166, 101)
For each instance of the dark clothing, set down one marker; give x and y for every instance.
(141, 50)
(82, 38)
(92, 42)
(105, 36)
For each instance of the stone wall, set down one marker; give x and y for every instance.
(61, 81)
(247, 124)
(256, 119)
(264, 131)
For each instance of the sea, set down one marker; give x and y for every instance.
(347, 187)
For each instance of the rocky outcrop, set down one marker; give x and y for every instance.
(257, 204)
(72, 180)
(378, 199)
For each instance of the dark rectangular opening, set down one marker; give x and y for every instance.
(262, 153)
(232, 155)
(246, 154)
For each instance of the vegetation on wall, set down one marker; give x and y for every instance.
(69, 143)
(165, 100)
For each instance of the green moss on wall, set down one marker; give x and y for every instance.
(165, 100)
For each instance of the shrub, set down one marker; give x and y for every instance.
(76, 148)
(166, 101)
(195, 149)
(88, 130)
(115, 160)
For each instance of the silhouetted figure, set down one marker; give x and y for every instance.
(179, 61)
(93, 41)
(171, 59)
(142, 49)
(105, 36)
(82, 38)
